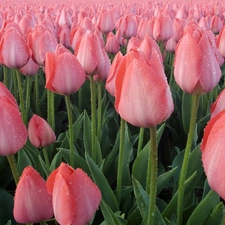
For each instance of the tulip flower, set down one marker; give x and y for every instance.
(14, 51)
(13, 133)
(30, 68)
(40, 133)
(40, 41)
(89, 53)
(218, 105)
(197, 71)
(75, 196)
(220, 42)
(212, 148)
(112, 44)
(140, 84)
(64, 74)
(32, 202)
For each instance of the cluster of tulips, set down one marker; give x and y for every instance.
(80, 83)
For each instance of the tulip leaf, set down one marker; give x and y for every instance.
(100, 180)
(163, 179)
(109, 216)
(56, 161)
(172, 205)
(23, 161)
(216, 216)
(44, 166)
(204, 208)
(79, 162)
(143, 203)
(186, 111)
(6, 208)
(139, 169)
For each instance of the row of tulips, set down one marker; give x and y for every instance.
(73, 128)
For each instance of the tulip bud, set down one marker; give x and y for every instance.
(40, 133)
(32, 202)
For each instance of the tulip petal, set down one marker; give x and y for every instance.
(213, 153)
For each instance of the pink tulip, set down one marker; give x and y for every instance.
(40, 42)
(74, 191)
(13, 133)
(14, 51)
(63, 35)
(216, 24)
(162, 28)
(220, 42)
(89, 53)
(30, 68)
(133, 43)
(213, 153)
(218, 105)
(145, 27)
(64, 74)
(40, 133)
(112, 44)
(197, 71)
(110, 82)
(106, 21)
(140, 84)
(32, 202)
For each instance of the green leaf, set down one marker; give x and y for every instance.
(139, 169)
(6, 208)
(163, 179)
(204, 208)
(23, 161)
(56, 161)
(142, 199)
(79, 162)
(216, 216)
(109, 216)
(172, 205)
(44, 166)
(100, 180)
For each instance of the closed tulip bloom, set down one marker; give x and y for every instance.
(41, 41)
(143, 96)
(112, 44)
(89, 53)
(14, 51)
(212, 148)
(13, 133)
(32, 202)
(74, 194)
(197, 65)
(30, 68)
(220, 42)
(106, 22)
(64, 74)
(40, 133)
(110, 82)
(162, 28)
(218, 105)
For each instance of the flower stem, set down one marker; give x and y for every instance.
(183, 173)
(46, 156)
(36, 89)
(20, 89)
(12, 163)
(51, 106)
(27, 98)
(140, 140)
(151, 182)
(5, 76)
(99, 110)
(70, 120)
(120, 161)
(93, 118)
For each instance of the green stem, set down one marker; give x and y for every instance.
(171, 71)
(28, 98)
(12, 163)
(140, 140)
(70, 120)
(80, 96)
(46, 156)
(120, 161)
(183, 173)
(51, 108)
(151, 182)
(99, 110)
(20, 89)
(93, 118)
(36, 90)
(5, 76)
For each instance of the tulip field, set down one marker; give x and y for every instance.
(112, 112)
